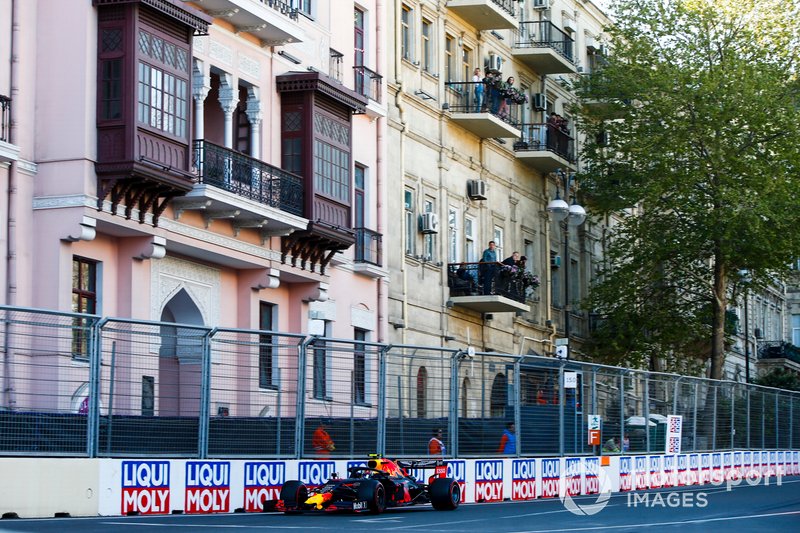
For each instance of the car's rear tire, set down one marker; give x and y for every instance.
(294, 495)
(374, 494)
(445, 494)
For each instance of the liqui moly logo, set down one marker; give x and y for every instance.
(591, 467)
(693, 475)
(656, 476)
(208, 487)
(262, 481)
(551, 475)
(489, 481)
(780, 464)
(641, 473)
(683, 466)
(770, 470)
(457, 470)
(573, 476)
(669, 471)
(523, 479)
(717, 473)
(796, 462)
(145, 487)
(705, 469)
(747, 463)
(315, 473)
(625, 476)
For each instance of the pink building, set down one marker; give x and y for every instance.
(214, 163)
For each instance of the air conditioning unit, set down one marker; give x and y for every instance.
(540, 102)
(476, 189)
(591, 45)
(541, 4)
(429, 223)
(555, 261)
(569, 24)
(495, 63)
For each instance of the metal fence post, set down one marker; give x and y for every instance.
(747, 409)
(647, 411)
(561, 400)
(694, 417)
(93, 414)
(205, 397)
(300, 415)
(381, 437)
(777, 426)
(452, 411)
(733, 418)
(517, 408)
(621, 407)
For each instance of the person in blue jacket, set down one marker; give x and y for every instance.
(508, 442)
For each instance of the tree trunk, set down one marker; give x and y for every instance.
(720, 304)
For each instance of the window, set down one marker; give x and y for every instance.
(470, 249)
(292, 139)
(84, 300)
(266, 360)
(148, 395)
(555, 281)
(574, 282)
(422, 392)
(358, 49)
(429, 240)
(528, 253)
(242, 124)
(427, 61)
(410, 222)
(359, 195)
(331, 158)
(335, 65)
(452, 237)
(449, 49)
(405, 33)
(466, 64)
(465, 398)
(796, 330)
(497, 237)
(163, 85)
(359, 367)
(320, 366)
(110, 73)
(303, 6)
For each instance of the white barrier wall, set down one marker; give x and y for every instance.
(42, 487)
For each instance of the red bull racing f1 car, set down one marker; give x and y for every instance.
(381, 484)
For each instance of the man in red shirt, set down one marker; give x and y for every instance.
(321, 441)
(436, 447)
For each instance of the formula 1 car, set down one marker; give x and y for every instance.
(383, 483)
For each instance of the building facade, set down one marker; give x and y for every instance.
(212, 163)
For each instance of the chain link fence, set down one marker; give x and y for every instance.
(82, 385)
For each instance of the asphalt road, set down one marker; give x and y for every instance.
(744, 508)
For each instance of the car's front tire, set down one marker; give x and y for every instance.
(445, 494)
(372, 492)
(294, 495)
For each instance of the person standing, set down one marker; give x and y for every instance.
(488, 267)
(477, 81)
(436, 446)
(508, 442)
(512, 260)
(506, 91)
(321, 441)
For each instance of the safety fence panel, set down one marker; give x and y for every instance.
(418, 399)
(151, 388)
(253, 394)
(44, 382)
(342, 395)
(611, 408)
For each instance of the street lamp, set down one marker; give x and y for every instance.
(745, 275)
(574, 215)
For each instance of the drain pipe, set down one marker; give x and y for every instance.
(380, 178)
(11, 193)
(403, 130)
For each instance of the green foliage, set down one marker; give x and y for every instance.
(692, 126)
(780, 379)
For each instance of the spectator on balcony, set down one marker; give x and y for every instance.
(512, 260)
(488, 267)
(477, 80)
(506, 91)
(493, 82)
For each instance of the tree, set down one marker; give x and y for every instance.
(780, 379)
(692, 128)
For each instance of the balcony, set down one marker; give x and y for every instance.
(368, 253)
(482, 115)
(778, 355)
(249, 192)
(8, 152)
(544, 48)
(274, 22)
(369, 84)
(486, 14)
(545, 148)
(485, 287)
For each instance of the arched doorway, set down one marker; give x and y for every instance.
(180, 358)
(499, 397)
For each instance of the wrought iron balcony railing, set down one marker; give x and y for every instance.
(248, 177)
(506, 5)
(479, 97)
(487, 279)
(778, 350)
(368, 83)
(5, 118)
(545, 34)
(283, 6)
(542, 136)
(368, 246)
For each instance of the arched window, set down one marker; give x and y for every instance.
(499, 398)
(422, 392)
